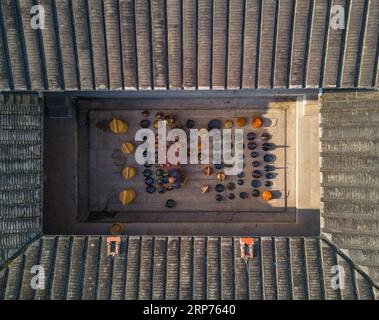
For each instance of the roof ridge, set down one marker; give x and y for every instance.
(20, 251)
(350, 261)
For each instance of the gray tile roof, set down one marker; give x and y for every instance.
(350, 175)
(141, 44)
(20, 171)
(182, 268)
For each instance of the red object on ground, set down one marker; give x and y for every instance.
(257, 123)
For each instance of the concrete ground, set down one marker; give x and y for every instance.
(82, 182)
